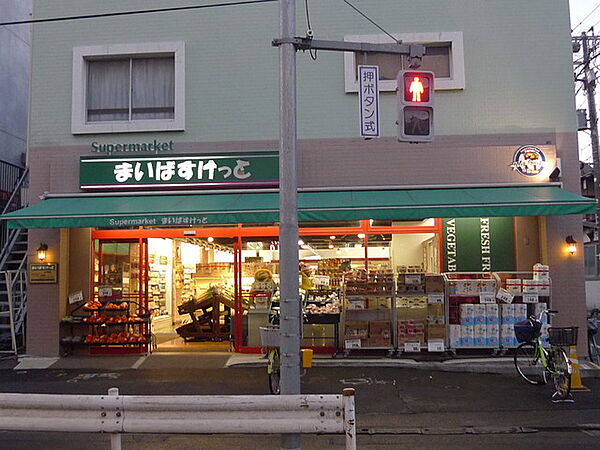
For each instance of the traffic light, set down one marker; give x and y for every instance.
(415, 105)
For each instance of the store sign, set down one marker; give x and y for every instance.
(248, 170)
(368, 80)
(483, 244)
(135, 147)
(43, 273)
(529, 161)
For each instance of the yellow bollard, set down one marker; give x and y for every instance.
(576, 384)
(307, 357)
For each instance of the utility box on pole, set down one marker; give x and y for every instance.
(415, 94)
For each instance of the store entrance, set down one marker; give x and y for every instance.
(186, 285)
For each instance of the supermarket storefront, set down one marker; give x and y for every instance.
(420, 265)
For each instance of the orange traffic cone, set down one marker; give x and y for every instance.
(576, 384)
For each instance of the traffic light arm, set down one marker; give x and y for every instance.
(307, 43)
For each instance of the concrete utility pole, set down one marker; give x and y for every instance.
(589, 84)
(289, 313)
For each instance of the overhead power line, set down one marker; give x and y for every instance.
(583, 20)
(141, 11)
(369, 19)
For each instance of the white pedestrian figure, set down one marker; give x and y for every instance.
(416, 89)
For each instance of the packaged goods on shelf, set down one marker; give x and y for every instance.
(520, 312)
(530, 287)
(492, 335)
(545, 333)
(508, 314)
(409, 269)
(538, 308)
(541, 272)
(514, 286)
(379, 303)
(434, 284)
(356, 329)
(455, 335)
(479, 335)
(411, 331)
(486, 286)
(479, 315)
(492, 314)
(467, 333)
(413, 283)
(467, 314)
(357, 303)
(508, 338)
(436, 331)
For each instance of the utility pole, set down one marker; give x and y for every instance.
(589, 84)
(290, 314)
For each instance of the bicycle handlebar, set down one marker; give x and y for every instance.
(547, 312)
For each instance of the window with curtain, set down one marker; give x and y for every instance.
(130, 88)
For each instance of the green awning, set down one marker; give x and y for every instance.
(199, 209)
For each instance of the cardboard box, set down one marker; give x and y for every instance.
(380, 330)
(434, 284)
(467, 314)
(454, 332)
(480, 314)
(492, 314)
(356, 329)
(467, 334)
(435, 309)
(436, 331)
(379, 303)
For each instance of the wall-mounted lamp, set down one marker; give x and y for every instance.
(41, 251)
(571, 244)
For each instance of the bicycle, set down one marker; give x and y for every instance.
(270, 340)
(270, 337)
(593, 326)
(534, 362)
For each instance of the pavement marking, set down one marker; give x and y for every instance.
(139, 362)
(35, 363)
(368, 381)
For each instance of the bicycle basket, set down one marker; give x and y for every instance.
(527, 330)
(270, 336)
(562, 336)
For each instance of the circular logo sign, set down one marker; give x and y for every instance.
(529, 161)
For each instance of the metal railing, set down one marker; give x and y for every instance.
(14, 202)
(195, 414)
(14, 283)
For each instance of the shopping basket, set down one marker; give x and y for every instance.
(270, 336)
(562, 336)
(527, 330)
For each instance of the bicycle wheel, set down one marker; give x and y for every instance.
(529, 365)
(558, 366)
(275, 373)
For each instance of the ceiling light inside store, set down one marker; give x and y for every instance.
(210, 239)
(358, 245)
(300, 242)
(330, 245)
(332, 237)
(361, 235)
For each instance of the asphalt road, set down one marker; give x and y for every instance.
(396, 408)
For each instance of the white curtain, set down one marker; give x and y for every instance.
(108, 90)
(153, 90)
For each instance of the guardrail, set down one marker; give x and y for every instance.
(195, 414)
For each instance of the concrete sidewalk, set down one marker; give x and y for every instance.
(215, 360)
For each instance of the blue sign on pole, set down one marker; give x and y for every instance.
(368, 82)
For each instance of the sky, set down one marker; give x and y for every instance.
(580, 11)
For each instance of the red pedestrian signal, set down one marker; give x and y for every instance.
(415, 105)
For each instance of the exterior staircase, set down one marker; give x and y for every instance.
(13, 268)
